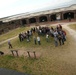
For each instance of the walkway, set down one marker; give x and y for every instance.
(8, 39)
(71, 31)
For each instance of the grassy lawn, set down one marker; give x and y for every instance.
(53, 60)
(13, 33)
(73, 26)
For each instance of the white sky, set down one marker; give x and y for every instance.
(12, 7)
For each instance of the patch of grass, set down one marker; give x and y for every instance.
(13, 33)
(30, 66)
(28, 45)
(73, 26)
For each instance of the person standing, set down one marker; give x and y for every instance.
(20, 37)
(47, 37)
(35, 40)
(38, 39)
(60, 39)
(9, 44)
(55, 38)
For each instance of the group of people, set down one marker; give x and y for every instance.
(27, 35)
(57, 33)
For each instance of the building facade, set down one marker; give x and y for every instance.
(49, 16)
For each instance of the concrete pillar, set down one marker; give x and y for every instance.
(62, 14)
(37, 20)
(48, 18)
(20, 22)
(27, 21)
(17, 22)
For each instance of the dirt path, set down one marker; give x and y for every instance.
(71, 31)
(8, 39)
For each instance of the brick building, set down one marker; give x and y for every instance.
(48, 16)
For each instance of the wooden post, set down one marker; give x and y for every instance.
(12, 53)
(34, 54)
(28, 53)
(17, 53)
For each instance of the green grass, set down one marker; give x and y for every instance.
(73, 26)
(24, 44)
(13, 33)
(30, 66)
(53, 60)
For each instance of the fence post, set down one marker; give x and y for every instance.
(34, 54)
(28, 53)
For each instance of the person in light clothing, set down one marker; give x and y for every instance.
(10, 45)
(38, 39)
(47, 37)
(55, 38)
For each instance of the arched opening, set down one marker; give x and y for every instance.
(12, 22)
(53, 17)
(42, 19)
(32, 20)
(58, 16)
(68, 15)
(23, 21)
(1, 22)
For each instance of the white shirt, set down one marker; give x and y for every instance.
(38, 38)
(47, 36)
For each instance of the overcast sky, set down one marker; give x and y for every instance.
(12, 7)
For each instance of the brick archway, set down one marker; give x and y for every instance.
(43, 19)
(32, 20)
(68, 15)
(23, 21)
(53, 17)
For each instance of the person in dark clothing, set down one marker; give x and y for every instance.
(60, 26)
(1, 53)
(35, 40)
(10, 45)
(20, 37)
(60, 38)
